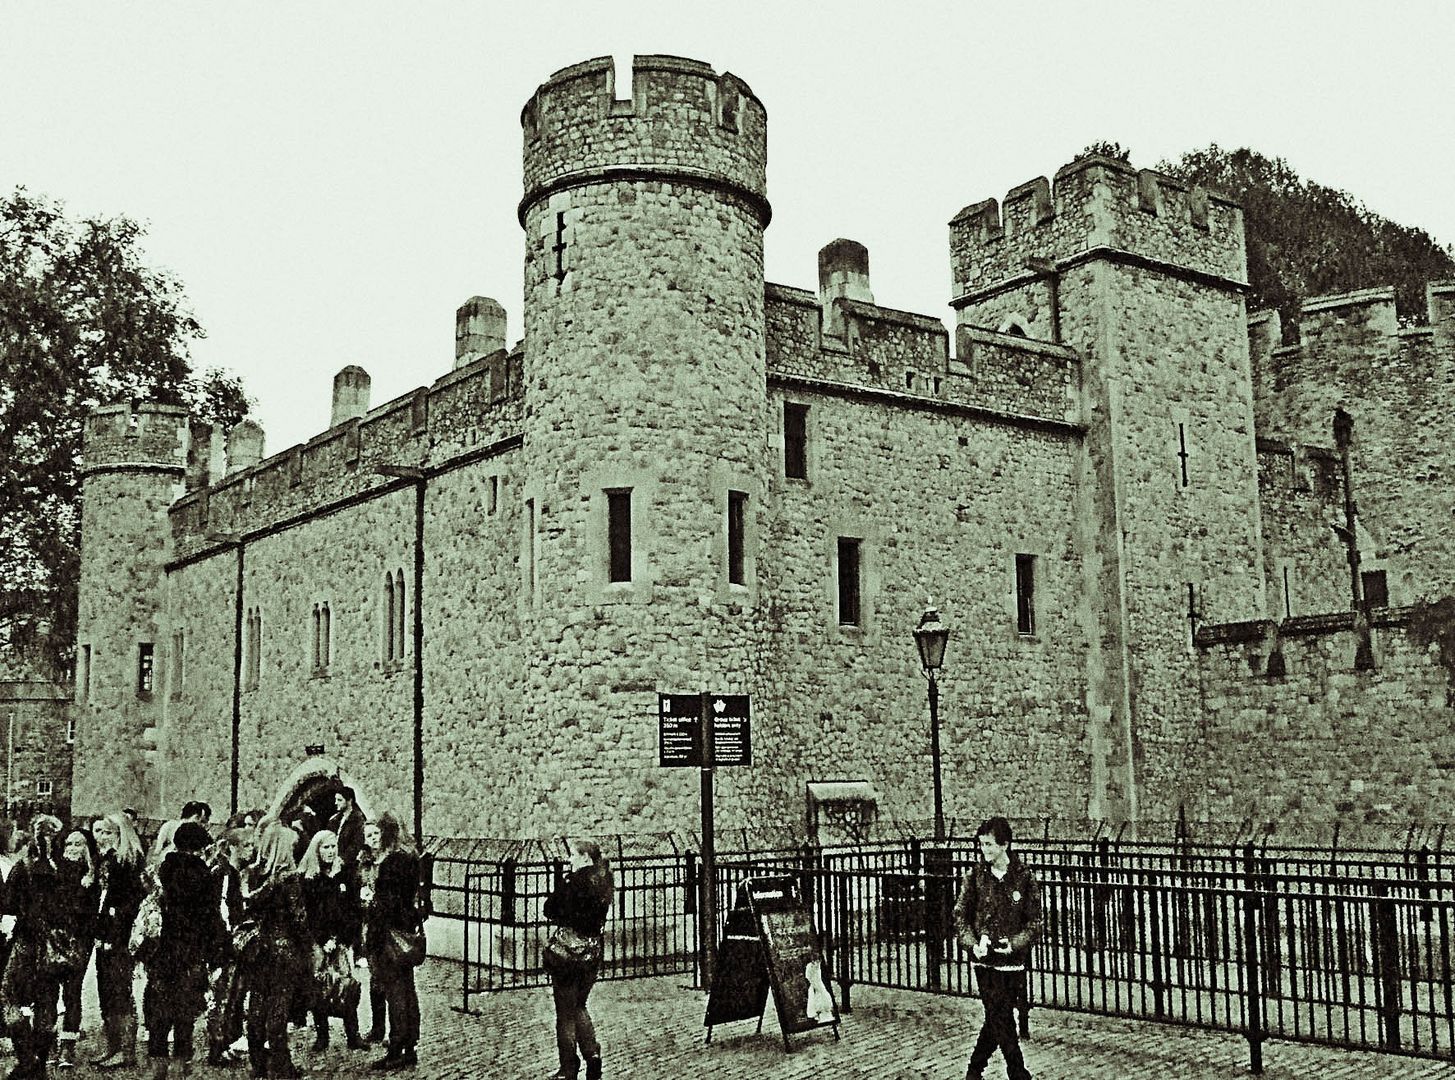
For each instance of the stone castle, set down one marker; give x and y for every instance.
(1124, 496)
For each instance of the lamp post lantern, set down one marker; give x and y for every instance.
(931, 637)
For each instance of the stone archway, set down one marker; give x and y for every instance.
(312, 783)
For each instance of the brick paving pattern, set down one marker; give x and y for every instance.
(652, 1028)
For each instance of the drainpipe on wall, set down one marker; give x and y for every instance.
(419, 477)
(237, 660)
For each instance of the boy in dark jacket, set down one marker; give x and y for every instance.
(998, 917)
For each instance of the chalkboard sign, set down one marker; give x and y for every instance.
(769, 941)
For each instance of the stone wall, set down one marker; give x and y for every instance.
(1324, 743)
(34, 718)
(1301, 494)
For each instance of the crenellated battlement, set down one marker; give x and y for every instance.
(144, 435)
(681, 121)
(1360, 319)
(1096, 205)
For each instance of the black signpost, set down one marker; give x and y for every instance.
(704, 731)
(769, 941)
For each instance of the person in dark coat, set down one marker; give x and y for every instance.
(579, 905)
(367, 870)
(54, 913)
(277, 966)
(191, 943)
(232, 857)
(119, 859)
(10, 860)
(331, 898)
(396, 907)
(76, 898)
(347, 824)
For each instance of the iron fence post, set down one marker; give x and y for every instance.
(507, 892)
(1386, 951)
(1252, 974)
(1151, 911)
(845, 944)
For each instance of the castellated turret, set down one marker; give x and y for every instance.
(134, 461)
(646, 389)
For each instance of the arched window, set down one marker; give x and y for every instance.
(399, 608)
(1015, 325)
(389, 616)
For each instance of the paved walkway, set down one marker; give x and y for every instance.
(652, 1028)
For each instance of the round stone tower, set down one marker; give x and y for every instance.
(646, 417)
(134, 460)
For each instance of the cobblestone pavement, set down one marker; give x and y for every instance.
(653, 1028)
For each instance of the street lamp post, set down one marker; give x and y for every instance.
(931, 638)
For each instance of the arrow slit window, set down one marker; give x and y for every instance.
(619, 534)
(850, 550)
(737, 505)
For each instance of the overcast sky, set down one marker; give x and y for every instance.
(329, 181)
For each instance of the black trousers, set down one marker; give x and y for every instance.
(999, 992)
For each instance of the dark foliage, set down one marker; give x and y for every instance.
(1306, 240)
(83, 322)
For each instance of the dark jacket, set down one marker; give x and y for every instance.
(349, 827)
(119, 896)
(52, 896)
(192, 934)
(333, 907)
(277, 907)
(396, 898)
(1006, 909)
(581, 902)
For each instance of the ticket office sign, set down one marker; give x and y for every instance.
(679, 731)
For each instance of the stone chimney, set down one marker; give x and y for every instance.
(479, 329)
(843, 271)
(350, 394)
(244, 446)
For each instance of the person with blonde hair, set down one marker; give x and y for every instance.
(273, 899)
(578, 907)
(331, 898)
(119, 859)
(75, 897)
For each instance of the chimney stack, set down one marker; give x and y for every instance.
(244, 446)
(350, 394)
(843, 271)
(479, 329)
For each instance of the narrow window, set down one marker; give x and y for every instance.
(849, 553)
(1025, 594)
(619, 534)
(325, 650)
(317, 638)
(1192, 606)
(83, 682)
(253, 641)
(530, 546)
(43, 787)
(795, 440)
(1287, 595)
(400, 607)
(1376, 588)
(178, 669)
(71, 732)
(389, 615)
(145, 667)
(493, 498)
(1182, 451)
(560, 248)
(737, 506)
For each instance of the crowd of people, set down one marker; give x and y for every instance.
(259, 926)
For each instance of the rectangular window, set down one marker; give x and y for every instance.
(83, 677)
(1025, 594)
(849, 558)
(71, 732)
(619, 534)
(1376, 588)
(795, 440)
(43, 788)
(145, 667)
(737, 507)
(492, 499)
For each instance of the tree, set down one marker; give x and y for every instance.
(83, 322)
(1305, 239)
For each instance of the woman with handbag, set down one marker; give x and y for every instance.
(578, 907)
(331, 898)
(119, 891)
(396, 943)
(275, 965)
(190, 944)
